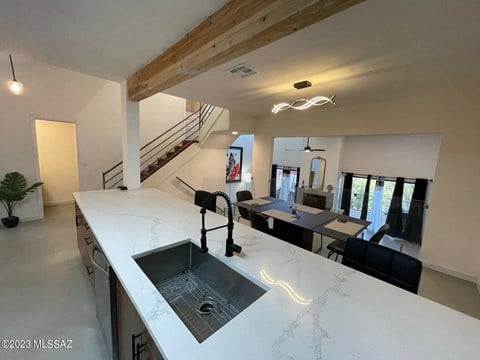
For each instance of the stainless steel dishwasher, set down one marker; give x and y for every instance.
(103, 301)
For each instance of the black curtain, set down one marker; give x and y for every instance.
(413, 227)
(366, 195)
(347, 192)
(394, 216)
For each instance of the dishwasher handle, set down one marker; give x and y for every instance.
(92, 258)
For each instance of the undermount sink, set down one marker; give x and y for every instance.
(203, 291)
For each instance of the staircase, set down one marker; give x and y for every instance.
(164, 159)
(165, 147)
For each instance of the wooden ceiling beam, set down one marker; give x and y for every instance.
(235, 29)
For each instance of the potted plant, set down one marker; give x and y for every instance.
(13, 188)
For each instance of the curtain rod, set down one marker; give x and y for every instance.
(384, 177)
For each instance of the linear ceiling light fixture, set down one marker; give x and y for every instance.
(15, 87)
(303, 104)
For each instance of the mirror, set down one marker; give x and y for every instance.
(317, 173)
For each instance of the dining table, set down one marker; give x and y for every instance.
(311, 220)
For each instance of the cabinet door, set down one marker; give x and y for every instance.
(85, 241)
(134, 341)
(79, 220)
(129, 326)
(151, 350)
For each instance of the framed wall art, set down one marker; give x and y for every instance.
(234, 164)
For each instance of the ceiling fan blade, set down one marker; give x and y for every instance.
(317, 149)
(294, 150)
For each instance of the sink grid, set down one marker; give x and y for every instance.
(185, 293)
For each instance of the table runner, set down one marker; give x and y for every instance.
(280, 215)
(257, 202)
(348, 227)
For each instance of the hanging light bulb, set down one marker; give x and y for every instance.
(15, 87)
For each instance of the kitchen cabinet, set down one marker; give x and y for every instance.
(85, 241)
(134, 341)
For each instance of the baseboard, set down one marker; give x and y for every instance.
(31, 218)
(453, 273)
(57, 203)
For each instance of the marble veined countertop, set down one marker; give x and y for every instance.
(314, 308)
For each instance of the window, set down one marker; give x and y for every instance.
(359, 184)
(357, 195)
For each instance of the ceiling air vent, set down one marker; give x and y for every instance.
(242, 70)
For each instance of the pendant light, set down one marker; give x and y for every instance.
(303, 104)
(15, 87)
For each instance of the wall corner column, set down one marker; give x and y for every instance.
(130, 114)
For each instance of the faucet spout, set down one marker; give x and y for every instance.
(231, 247)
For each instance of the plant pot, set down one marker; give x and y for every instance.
(10, 222)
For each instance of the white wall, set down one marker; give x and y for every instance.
(246, 142)
(203, 169)
(450, 241)
(50, 93)
(57, 154)
(99, 135)
(99, 127)
(392, 155)
(59, 94)
(160, 111)
(389, 155)
(288, 158)
(333, 155)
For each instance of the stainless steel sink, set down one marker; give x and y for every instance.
(203, 291)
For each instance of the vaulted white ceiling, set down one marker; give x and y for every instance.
(379, 50)
(110, 39)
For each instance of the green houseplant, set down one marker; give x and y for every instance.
(13, 188)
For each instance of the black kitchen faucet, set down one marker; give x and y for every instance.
(230, 246)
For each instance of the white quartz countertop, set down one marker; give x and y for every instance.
(314, 308)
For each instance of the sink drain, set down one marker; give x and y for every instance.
(206, 306)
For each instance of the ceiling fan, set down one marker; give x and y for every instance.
(306, 148)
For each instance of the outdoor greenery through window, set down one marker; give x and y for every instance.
(398, 202)
(359, 183)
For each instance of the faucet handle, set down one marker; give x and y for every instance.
(231, 248)
(203, 241)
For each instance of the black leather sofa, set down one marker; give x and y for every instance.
(383, 263)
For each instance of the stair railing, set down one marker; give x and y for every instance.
(186, 129)
(185, 183)
(193, 189)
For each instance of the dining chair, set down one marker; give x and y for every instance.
(259, 222)
(288, 232)
(380, 234)
(243, 195)
(338, 246)
(201, 196)
(383, 263)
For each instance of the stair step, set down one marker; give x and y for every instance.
(165, 158)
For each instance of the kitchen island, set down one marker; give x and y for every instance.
(313, 308)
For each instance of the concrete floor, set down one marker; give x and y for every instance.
(45, 293)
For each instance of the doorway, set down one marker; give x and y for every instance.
(57, 158)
